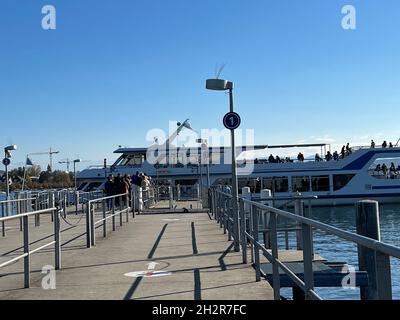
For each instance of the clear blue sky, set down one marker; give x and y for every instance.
(115, 69)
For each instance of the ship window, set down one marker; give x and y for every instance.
(301, 184)
(341, 180)
(92, 186)
(133, 160)
(320, 183)
(276, 184)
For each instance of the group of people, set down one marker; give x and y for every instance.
(384, 144)
(391, 172)
(344, 152)
(119, 185)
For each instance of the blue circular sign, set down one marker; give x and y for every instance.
(6, 162)
(232, 121)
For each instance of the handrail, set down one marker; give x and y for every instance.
(16, 200)
(346, 235)
(108, 197)
(250, 231)
(90, 214)
(27, 252)
(27, 214)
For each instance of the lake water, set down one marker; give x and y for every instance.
(335, 249)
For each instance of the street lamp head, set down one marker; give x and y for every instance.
(11, 148)
(77, 160)
(218, 84)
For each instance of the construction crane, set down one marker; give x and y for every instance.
(50, 153)
(67, 162)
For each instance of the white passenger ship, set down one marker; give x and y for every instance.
(335, 182)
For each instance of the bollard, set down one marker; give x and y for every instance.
(375, 263)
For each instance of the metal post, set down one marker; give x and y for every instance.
(18, 209)
(275, 252)
(228, 219)
(120, 211)
(37, 216)
(375, 263)
(225, 215)
(3, 225)
(26, 251)
(92, 222)
(65, 205)
(243, 237)
(113, 214)
(57, 245)
(171, 197)
(256, 248)
(7, 187)
(76, 201)
(307, 244)
(133, 202)
(234, 180)
(127, 207)
(104, 219)
(251, 232)
(298, 209)
(265, 194)
(88, 227)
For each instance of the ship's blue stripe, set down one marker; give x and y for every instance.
(360, 162)
(385, 187)
(348, 196)
(372, 195)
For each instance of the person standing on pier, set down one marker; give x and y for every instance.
(109, 190)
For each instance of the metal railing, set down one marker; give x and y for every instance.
(28, 201)
(249, 213)
(110, 208)
(26, 247)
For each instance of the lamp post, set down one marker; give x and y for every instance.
(75, 162)
(204, 154)
(6, 162)
(223, 85)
